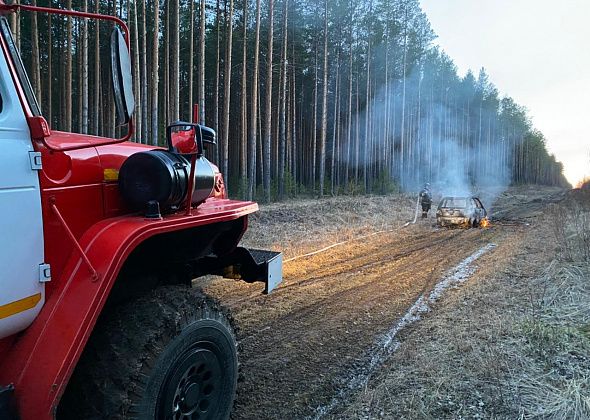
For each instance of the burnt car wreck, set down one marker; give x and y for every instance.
(461, 211)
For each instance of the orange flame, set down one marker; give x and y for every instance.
(485, 223)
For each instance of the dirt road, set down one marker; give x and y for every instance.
(304, 347)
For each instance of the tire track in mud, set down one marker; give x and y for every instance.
(366, 269)
(422, 245)
(296, 343)
(343, 264)
(388, 343)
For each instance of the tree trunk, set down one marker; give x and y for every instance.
(217, 81)
(202, 24)
(403, 121)
(227, 91)
(155, 74)
(314, 129)
(16, 26)
(324, 104)
(96, 94)
(349, 113)
(166, 60)
(35, 62)
(68, 78)
(85, 71)
(13, 18)
(191, 63)
(79, 81)
(136, 66)
(49, 111)
(244, 114)
(367, 140)
(268, 105)
(335, 126)
(294, 153)
(386, 119)
(175, 73)
(283, 106)
(254, 113)
(111, 103)
(357, 134)
(144, 76)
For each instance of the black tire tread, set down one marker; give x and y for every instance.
(110, 377)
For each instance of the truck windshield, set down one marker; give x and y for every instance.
(68, 61)
(20, 69)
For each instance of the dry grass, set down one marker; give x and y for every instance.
(571, 226)
(552, 342)
(299, 226)
(567, 401)
(555, 353)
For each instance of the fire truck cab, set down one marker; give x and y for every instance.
(22, 258)
(99, 242)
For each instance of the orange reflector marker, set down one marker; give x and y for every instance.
(111, 175)
(18, 306)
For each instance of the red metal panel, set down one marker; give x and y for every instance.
(66, 140)
(82, 207)
(113, 204)
(74, 180)
(5, 345)
(83, 166)
(113, 156)
(42, 359)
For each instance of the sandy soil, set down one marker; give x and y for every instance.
(335, 337)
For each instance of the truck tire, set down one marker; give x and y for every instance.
(169, 355)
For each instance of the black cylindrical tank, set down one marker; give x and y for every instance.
(163, 176)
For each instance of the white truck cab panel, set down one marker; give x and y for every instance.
(21, 226)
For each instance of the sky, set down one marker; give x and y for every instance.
(537, 52)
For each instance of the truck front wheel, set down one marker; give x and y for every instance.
(170, 355)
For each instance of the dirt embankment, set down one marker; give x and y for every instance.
(339, 337)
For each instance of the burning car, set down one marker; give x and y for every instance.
(461, 211)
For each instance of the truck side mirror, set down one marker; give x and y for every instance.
(184, 138)
(188, 138)
(122, 79)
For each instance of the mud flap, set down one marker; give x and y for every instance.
(7, 404)
(250, 265)
(269, 265)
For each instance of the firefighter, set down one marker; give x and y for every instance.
(425, 200)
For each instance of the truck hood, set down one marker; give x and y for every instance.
(112, 156)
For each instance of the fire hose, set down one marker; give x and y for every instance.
(413, 222)
(358, 237)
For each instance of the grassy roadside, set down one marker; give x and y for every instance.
(514, 342)
(303, 225)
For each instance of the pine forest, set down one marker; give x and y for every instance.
(321, 98)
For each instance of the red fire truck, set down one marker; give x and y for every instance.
(100, 240)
